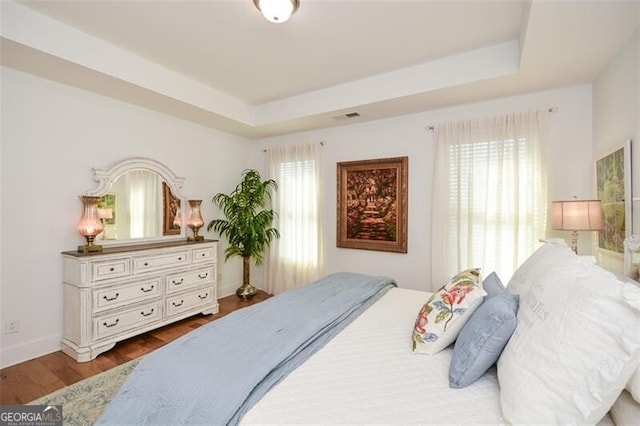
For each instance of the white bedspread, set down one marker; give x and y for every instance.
(368, 374)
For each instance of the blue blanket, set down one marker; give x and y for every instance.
(216, 373)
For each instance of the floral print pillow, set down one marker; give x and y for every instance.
(447, 310)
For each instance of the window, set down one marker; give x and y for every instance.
(491, 183)
(298, 212)
(296, 258)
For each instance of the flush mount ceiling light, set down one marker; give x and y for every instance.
(277, 11)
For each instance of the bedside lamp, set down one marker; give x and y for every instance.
(104, 215)
(195, 221)
(576, 215)
(177, 220)
(90, 223)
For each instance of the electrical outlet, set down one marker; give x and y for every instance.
(12, 326)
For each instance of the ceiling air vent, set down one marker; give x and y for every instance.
(347, 116)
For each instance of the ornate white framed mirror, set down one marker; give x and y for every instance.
(140, 202)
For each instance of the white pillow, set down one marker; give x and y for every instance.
(576, 345)
(625, 411)
(634, 385)
(553, 252)
(441, 318)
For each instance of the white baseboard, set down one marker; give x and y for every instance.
(29, 350)
(227, 290)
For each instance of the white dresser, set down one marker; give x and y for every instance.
(123, 291)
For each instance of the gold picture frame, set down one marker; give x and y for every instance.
(613, 189)
(171, 205)
(372, 204)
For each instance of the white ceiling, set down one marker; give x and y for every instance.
(219, 63)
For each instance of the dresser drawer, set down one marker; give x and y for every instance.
(187, 301)
(109, 325)
(114, 297)
(204, 254)
(159, 261)
(186, 279)
(115, 268)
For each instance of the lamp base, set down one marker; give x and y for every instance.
(89, 248)
(574, 241)
(196, 238)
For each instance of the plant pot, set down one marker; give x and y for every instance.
(246, 291)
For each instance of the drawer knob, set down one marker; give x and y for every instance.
(112, 269)
(203, 297)
(111, 299)
(113, 324)
(202, 277)
(147, 290)
(178, 304)
(203, 254)
(146, 263)
(174, 282)
(179, 258)
(148, 313)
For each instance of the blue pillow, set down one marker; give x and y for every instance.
(485, 335)
(493, 285)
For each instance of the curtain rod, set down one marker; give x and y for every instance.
(321, 144)
(552, 110)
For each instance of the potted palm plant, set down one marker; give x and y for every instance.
(247, 226)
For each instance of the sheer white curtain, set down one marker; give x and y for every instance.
(489, 194)
(145, 203)
(296, 258)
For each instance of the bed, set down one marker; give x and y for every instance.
(367, 373)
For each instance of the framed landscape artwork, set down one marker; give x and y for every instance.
(613, 189)
(171, 205)
(372, 204)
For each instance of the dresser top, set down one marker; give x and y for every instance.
(137, 247)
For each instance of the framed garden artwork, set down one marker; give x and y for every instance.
(171, 205)
(372, 204)
(613, 189)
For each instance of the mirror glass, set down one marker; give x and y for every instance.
(139, 202)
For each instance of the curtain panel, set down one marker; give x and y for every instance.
(296, 258)
(144, 193)
(489, 194)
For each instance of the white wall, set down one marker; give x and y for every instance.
(616, 105)
(52, 136)
(568, 158)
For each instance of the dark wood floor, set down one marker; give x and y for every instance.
(32, 379)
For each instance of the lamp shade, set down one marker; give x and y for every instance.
(277, 11)
(90, 224)
(195, 221)
(577, 215)
(177, 220)
(105, 213)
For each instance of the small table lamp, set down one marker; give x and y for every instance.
(104, 214)
(90, 224)
(576, 215)
(195, 220)
(177, 220)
